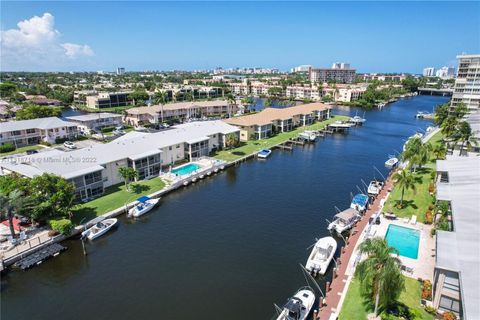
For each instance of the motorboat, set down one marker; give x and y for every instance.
(144, 205)
(359, 202)
(321, 256)
(308, 135)
(298, 307)
(344, 220)
(264, 153)
(375, 187)
(99, 229)
(357, 120)
(391, 162)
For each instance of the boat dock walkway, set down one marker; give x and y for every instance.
(339, 286)
(39, 256)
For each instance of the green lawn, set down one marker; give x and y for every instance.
(253, 146)
(115, 197)
(355, 307)
(20, 150)
(415, 202)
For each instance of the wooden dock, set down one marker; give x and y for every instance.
(39, 256)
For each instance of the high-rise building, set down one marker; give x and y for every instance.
(445, 73)
(340, 72)
(120, 71)
(467, 83)
(429, 72)
(302, 68)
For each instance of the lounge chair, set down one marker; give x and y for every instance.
(413, 220)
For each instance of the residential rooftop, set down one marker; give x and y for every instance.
(132, 145)
(177, 106)
(459, 250)
(93, 116)
(40, 123)
(268, 115)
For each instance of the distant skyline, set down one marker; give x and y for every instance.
(371, 36)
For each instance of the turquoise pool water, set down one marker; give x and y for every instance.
(189, 168)
(405, 240)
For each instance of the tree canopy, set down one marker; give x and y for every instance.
(32, 111)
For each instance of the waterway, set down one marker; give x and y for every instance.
(228, 247)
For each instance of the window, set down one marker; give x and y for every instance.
(451, 281)
(449, 304)
(16, 133)
(30, 130)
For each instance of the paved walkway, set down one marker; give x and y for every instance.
(339, 284)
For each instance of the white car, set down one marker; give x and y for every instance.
(69, 145)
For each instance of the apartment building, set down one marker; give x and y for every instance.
(429, 72)
(80, 96)
(456, 275)
(34, 131)
(271, 120)
(467, 83)
(96, 167)
(95, 121)
(383, 77)
(108, 100)
(340, 73)
(179, 112)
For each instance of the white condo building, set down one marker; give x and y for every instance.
(429, 72)
(467, 83)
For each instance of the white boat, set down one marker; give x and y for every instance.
(321, 256)
(359, 202)
(264, 153)
(357, 120)
(308, 135)
(145, 204)
(298, 307)
(99, 229)
(344, 220)
(391, 162)
(375, 187)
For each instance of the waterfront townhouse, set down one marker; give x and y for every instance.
(95, 121)
(467, 83)
(179, 111)
(301, 92)
(108, 100)
(456, 277)
(34, 131)
(263, 124)
(93, 169)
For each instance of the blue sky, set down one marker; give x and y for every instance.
(372, 36)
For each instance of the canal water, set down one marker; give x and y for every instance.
(228, 247)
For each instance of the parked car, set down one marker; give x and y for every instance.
(69, 145)
(29, 152)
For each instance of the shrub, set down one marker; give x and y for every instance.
(63, 226)
(428, 217)
(427, 290)
(433, 232)
(45, 143)
(431, 310)
(60, 140)
(81, 137)
(449, 316)
(107, 129)
(431, 207)
(431, 188)
(7, 147)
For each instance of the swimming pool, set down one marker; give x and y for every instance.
(405, 240)
(189, 168)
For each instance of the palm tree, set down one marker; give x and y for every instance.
(128, 174)
(404, 180)
(12, 203)
(464, 135)
(380, 277)
(460, 110)
(161, 99)
(231, 101)
(449, 126)
(189, 96)
(439, 150)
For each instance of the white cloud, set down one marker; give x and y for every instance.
(73, 50)
(36, 44)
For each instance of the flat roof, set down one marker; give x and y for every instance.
(474, 120)
(132, 145)
(177, 106)
(268, 115)
(93, 116)
(40, 123)
(459, 250)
